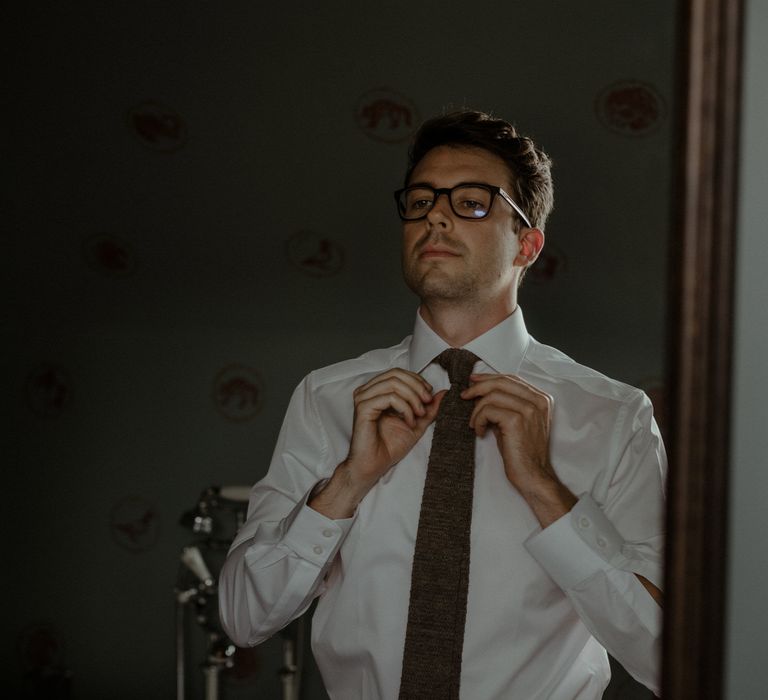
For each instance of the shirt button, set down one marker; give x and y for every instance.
(601, 542)
(328, 533)
(317, 549)
(584, 522)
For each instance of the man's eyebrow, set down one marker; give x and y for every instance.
(420, 184)
(458, 184)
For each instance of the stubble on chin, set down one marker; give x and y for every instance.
(430, 283)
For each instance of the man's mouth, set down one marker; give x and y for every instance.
(436, 252)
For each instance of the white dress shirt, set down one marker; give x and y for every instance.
(543, 605)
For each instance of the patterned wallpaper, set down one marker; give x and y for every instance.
(201, 213)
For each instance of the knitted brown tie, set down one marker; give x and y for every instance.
(434, 638)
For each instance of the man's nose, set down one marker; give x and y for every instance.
(441, 211)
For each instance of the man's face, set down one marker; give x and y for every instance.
(446, 258)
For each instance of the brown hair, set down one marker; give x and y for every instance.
(529, 166)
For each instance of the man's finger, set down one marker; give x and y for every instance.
(505, 405)
(509, 384)
(398, 387)
(431, 410)
(487, 416)
(415, 381)
(371, 408)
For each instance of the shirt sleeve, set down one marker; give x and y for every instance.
(282, 554)
(594, 558)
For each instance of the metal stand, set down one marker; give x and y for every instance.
(219, 652)
(219, 657)
(293, 659)
(208, 520)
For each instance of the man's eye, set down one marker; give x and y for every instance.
(471, 204)
(419, 203)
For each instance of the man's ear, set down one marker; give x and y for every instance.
(531, 242)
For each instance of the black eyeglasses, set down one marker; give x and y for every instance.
(472, 200)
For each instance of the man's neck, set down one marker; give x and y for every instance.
(457, 325)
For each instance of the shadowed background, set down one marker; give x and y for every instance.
(202, 213)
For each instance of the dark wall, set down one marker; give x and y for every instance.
(201, 213)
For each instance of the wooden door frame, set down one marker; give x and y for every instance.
(701, 265)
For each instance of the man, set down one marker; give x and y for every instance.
(565, 473)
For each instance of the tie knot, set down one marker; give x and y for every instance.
(458, 363)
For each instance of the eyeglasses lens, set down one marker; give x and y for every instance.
(467, 201)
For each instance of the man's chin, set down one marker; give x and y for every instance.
(438, 286)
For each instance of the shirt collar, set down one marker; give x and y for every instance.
(502, 348)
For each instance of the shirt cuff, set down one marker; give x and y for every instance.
(314, 537)
(578, 545)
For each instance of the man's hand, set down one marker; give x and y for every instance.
(520, 416)
(392, 411)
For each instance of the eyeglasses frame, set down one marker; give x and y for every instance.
(493, 189)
